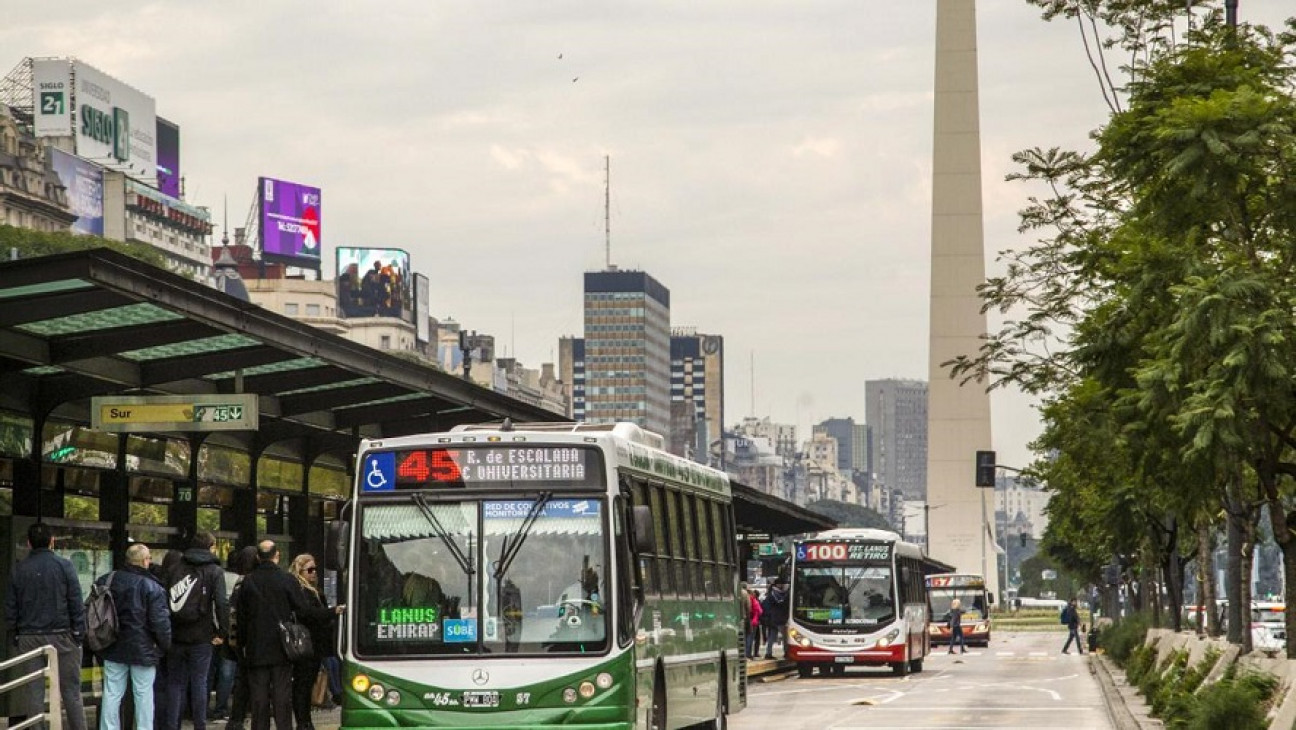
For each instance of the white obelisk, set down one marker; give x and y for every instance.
(960, 516)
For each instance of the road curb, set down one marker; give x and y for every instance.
(1122, 717)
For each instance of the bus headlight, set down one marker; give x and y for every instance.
(891, 636)
(569, 695)
(360, 683)
(587, 690)
(393, 698)
(603, 680)
(798, 638)
(982, 628)
(376, 692)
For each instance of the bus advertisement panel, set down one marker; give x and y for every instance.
(858, 597)
(973, 598)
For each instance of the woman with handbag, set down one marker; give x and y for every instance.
(270, 604)
(306, 671)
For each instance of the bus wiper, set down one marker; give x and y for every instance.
(465, 563)
(513, 547)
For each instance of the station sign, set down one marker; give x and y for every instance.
(149, 413)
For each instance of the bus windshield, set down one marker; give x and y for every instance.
(481, 577)
(971, 600)
(837, 595)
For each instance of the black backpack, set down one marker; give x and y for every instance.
(101, 616)
(187, 594)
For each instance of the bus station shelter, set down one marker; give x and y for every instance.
(84, 328)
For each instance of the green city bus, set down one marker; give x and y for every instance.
(537, 575)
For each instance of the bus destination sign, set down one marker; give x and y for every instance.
(843, 551)
(482, 466)
(955, 581)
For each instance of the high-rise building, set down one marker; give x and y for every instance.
(571, 369)
(627, 350)
(852, 444)
(697, 379)
(896, 412)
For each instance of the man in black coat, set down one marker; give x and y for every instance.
(43, 606)
(267, 597)
(143, 637)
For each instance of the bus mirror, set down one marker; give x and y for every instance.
(335, 557)
(645, 540)
(990, 598)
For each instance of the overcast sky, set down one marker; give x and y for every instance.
(770, 161)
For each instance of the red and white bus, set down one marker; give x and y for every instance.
(973, 598)
(859, 597)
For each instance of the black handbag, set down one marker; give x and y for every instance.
(296, 640)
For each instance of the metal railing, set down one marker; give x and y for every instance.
(50, 674)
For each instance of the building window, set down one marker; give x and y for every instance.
(312, 310)
(290, 309)
(384, 342)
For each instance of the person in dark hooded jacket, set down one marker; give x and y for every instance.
(199, 623)
(143, 638)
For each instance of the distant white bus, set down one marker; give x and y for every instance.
(1054, 603)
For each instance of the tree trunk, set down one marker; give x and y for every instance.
(1233, 577)
(1245, 598)
(1207, 617)
(1173, 569)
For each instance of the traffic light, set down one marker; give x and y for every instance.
(1111, 574)
(985, 468)
(1024, 537)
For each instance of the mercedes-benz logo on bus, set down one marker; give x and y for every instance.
(480, 677)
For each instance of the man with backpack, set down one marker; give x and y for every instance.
(774, 612)
(43, 606)
(143, 623)
(199, 622)
(1071, 617)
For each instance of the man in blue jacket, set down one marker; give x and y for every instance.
(143, 637)
(43, 606)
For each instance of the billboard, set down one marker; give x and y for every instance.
(116, 124)
(422, 307)
(374, 282)
(52, 97)
(290, 222)
(85, 190)
(168, 157)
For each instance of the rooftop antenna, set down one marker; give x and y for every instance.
(607, 208)
(225, 225)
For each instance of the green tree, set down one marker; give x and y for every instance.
(31, 244)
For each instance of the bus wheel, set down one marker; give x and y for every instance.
(916, 665)
(804, 670)
(900, 668)
(839, 670)
(657, 713)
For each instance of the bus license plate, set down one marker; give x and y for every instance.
(481, 699)
(844, 659)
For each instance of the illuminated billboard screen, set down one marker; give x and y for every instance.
(290, 222)
(85, 190)
(374, 282)
(168, 158)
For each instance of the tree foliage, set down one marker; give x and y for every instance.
(30, 244)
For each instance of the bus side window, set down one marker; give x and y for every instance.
(665, 583)
(706, 547)
(648, 561)
(679, 559)
(688, 507)
(625, 610)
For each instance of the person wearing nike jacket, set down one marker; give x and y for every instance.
(198, 576)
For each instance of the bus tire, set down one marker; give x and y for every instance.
(657, 711)
(721, 721)
(900, 668)
(916, 665)
(839, 670)
(804, 670)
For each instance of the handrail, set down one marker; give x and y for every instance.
(55, 715)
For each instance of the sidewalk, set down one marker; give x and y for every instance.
(1125, 705)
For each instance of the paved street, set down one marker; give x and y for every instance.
(1021, 681)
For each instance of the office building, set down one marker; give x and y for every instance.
(627, 350)
(896, 412)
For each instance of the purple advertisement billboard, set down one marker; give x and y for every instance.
(85, 190)
(374, 282)
(290, 222)
(168, 158)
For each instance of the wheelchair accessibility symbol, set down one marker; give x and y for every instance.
(379, 473)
